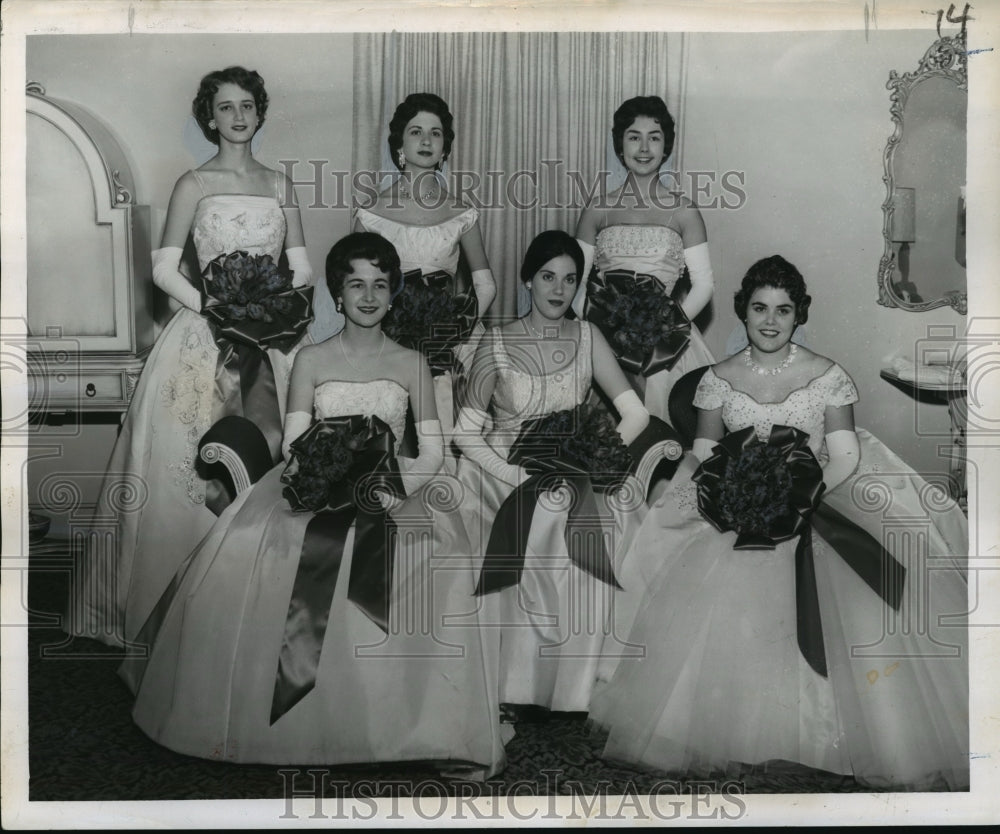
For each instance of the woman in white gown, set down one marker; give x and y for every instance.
(646, 228)
(554, 618)
(880, 688)
(257, 657)
(158, 503)
(429, 227)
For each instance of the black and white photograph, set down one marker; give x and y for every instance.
(481, 414)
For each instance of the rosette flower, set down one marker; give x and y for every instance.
(646, 328)
(764, 491)
(428, 317)
(580, 448)
(251, 301)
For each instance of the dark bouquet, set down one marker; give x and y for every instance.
(581, 440)
(251, 301)
(764, 491)
(329, 459)
(428, 317)
(646, 328)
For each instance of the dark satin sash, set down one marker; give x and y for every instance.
(370, 581)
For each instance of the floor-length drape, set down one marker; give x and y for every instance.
(533, 116)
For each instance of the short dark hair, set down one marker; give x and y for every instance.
(779, 274)
(549, 245)
(361, 246)
(249, 80)
(652, 106)
(412, 105)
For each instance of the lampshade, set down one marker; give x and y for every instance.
(904, 215)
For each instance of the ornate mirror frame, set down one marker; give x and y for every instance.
(946, 58)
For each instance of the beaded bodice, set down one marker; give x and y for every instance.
(650, 250)
(385, 398)
(804, 408)
(225, 223)
(428, 248)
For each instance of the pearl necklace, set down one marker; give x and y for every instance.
(347, 359)
(777, 369)
(429, 195)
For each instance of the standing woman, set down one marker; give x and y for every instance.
(554, 614)
(303, 630)
(232, 203)
(647, 229)
(429, 227)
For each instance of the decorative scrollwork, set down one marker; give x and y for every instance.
(946, 58)
(122, 194)
(34, 88)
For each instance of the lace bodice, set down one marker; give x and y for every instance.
(225, 223)
(520, 395)
(385, 398)
(428, 248)
(803, 408)
(651, 250)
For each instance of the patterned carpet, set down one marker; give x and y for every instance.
(84, 746)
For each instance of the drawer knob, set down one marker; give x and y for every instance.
(90, 390)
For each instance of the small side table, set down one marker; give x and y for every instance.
(954, 394)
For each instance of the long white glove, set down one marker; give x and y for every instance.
(168, 277)
(702, 281)
(298, 262)
(580, 299)
(469, 437)
(430, 456)
(845, 452)
(485, 288)
(633, 416)
(296, 422)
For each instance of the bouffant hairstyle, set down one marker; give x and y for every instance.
(650, 106)
(410, 106)
(549, 245)
(361, 246)
(249, 80)
(778, 273)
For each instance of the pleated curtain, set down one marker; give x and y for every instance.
(535, 102)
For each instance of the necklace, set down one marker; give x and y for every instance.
(777, 369)
(542, 335)
(347, 359)
(429, 195)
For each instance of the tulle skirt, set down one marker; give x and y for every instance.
(151, 509)
(555, 622)
(659, 385)
(721, 682)
(426, 691)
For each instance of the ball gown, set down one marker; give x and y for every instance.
(554, 623)
(151, 509)
(425, 690)
(656, 251)
(430, 249)
(723, 683)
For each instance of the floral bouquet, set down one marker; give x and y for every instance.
(581, 439)
(765, 491)
(428, 317)
(331, 458)
(251, 301)
(646, 328)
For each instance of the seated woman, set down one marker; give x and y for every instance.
(553, 611)
(307, 637)
(852, 659)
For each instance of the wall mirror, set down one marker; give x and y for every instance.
(923, 265)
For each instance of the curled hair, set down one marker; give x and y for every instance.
(249, 80)
(779, 274)
(407, 110)
(651, 106)
(361, 246)
(549, 245)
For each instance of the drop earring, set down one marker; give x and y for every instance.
(340, 306)
(402, 160)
